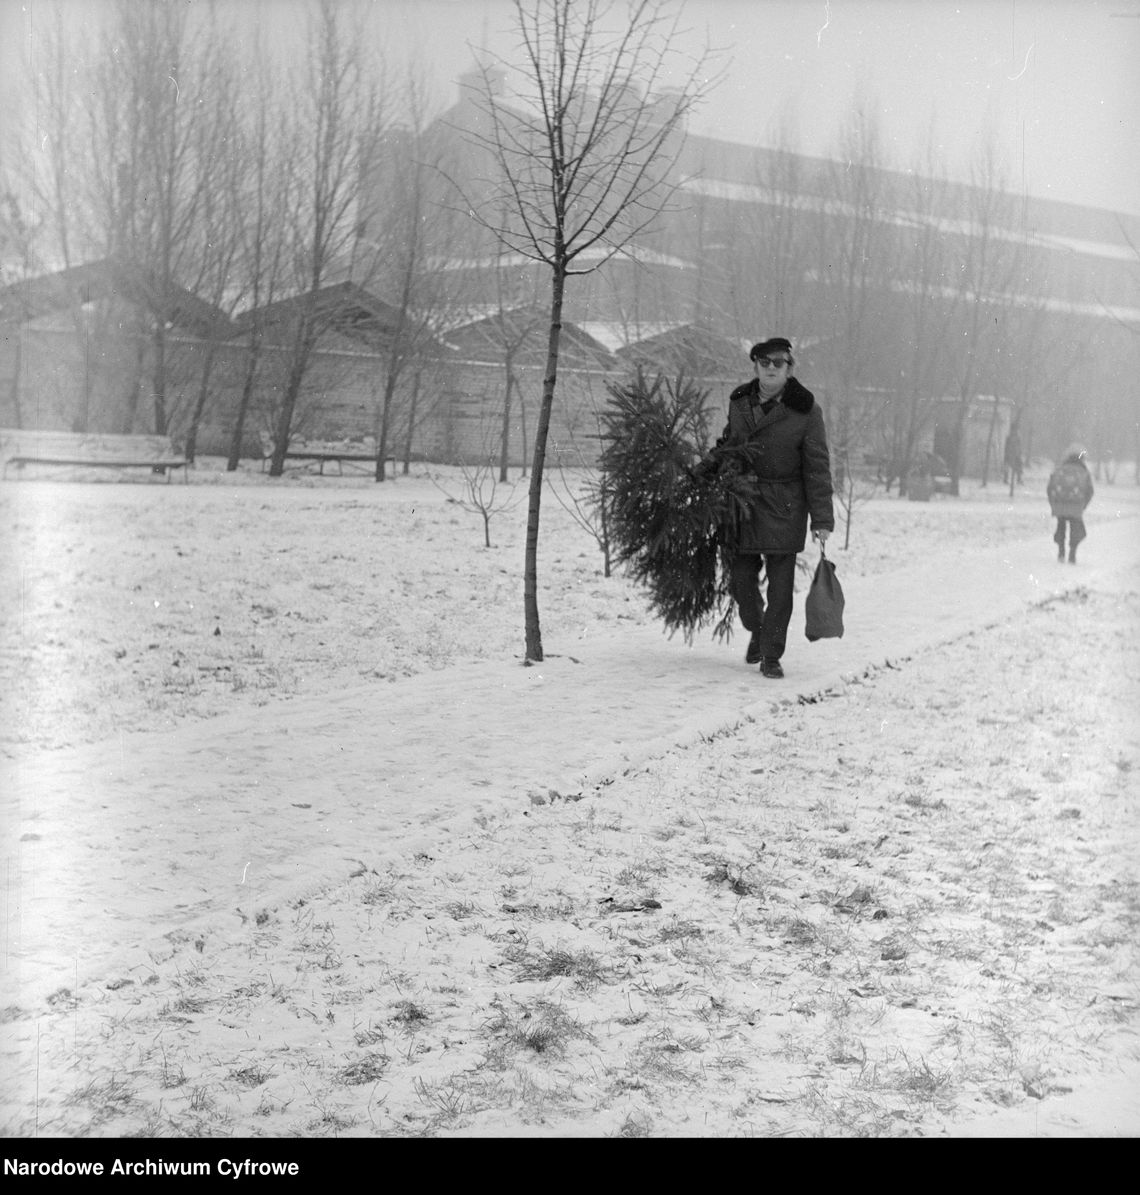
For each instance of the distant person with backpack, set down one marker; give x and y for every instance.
(1070, 490)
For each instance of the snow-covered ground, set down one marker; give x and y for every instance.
(295, 845)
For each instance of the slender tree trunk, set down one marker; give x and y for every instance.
(989, 445)
(522, 426)
(130, 411)
(191, 447)
(412, 410)
(284, 426)
(82, 420)
(384, 426)
(159, 376)
(243, 403)
(957, 464)
(604, 521)
(538, 461)
(505, 430)
(298, 366)
(17, 415)
(848, 507)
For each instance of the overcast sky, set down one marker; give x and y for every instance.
(1056, 83)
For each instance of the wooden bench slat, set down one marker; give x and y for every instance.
(22, 447)
(303, 455)
(151, 462)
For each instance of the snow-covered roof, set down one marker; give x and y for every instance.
(736, 192)
(632, 253)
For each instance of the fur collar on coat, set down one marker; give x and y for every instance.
(795, 397)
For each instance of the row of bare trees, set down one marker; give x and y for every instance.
(221, 185)
(165, 160)
(203, 171)
(907, 289)
(205, 176)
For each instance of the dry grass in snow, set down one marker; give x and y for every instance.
(908, 906)
(139, 605)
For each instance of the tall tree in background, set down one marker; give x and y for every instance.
(339, 117)
(580, 156)
(57, 160)
(164, 91)
(986, 277)
(924, 269)
(856, 270)
(395, 239)
(217, 278)
(129, 138)
(18, 234)
(780, 227)
(264, 159)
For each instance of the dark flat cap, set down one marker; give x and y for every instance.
(765, 348)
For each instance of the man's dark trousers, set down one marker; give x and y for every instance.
(1076, 533)
(773, 622)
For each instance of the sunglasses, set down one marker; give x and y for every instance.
(772, 362)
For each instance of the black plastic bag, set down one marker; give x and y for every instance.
(824, 605)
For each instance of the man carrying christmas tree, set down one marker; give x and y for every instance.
(779, 426)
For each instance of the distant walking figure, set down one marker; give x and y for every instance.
(1070, 490)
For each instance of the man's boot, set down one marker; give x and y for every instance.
(753, 655)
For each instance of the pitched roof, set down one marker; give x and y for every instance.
(526, 329)
(692, 349)
(87, 283)
(346, 306)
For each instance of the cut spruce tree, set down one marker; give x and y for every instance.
(674, 505)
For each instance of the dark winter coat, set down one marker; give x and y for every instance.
(1070, 489)
(788, 454)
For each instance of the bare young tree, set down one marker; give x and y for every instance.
(857, 487)
(583, 495)
(482, 492)
(580, 159)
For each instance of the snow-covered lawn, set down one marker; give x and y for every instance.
(134, 606)
(398, 884)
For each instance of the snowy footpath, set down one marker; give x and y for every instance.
(111, 846)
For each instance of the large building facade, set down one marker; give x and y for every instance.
(901, 290)
(907, 297)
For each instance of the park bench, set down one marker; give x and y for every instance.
(929, 476)
(21, 447)
(321, 453)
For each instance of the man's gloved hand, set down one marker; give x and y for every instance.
(706, 468)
